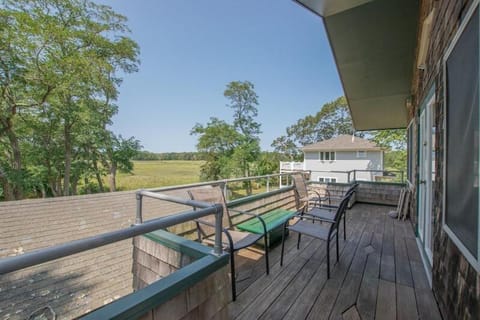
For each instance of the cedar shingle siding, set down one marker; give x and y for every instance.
(456, 284)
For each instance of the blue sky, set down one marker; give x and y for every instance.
(191, 49)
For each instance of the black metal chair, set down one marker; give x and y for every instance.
(324, 231)
(233, 240)
(305, 196)
(327, 212)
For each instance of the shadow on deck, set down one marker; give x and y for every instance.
(380, 275)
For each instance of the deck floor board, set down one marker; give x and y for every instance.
(379, 276)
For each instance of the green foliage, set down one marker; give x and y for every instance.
(332, 120)
(231, 149)
(395, 160)
(59, 65)
(394, 139)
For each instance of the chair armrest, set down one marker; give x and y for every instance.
(320, 198)
(205, 223)
(224, 230)
(306, 216)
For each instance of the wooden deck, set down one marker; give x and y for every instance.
(379, 276)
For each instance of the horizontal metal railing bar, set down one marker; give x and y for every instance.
(187, 202)
(59, 251)
(200, 184)
(255, 197)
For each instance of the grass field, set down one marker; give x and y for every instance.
(152, 174)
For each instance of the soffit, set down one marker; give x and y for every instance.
(373, 43)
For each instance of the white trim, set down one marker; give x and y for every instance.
(410, 125)
(475, 262)
(426, 263)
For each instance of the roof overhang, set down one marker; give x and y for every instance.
(373, 43)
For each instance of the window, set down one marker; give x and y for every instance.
(327, 179)
(327, 156)
(461, 155)
(361, 154)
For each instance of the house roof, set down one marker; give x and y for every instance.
(76, 284)
(373, 43)
(343, 143)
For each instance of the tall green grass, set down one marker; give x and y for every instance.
(152, 174)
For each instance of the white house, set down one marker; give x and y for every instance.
(331, 160)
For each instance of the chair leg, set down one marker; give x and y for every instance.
(328, 259)
(266, 254)
(232, 270)
(298, 240)
(337, 244)
(283, 243)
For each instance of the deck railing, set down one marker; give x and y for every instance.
(270, 198)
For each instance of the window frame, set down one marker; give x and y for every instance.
(327, 178)
(360, 152)
(322, 156)
(475, 262)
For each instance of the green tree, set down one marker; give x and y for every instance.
(332, 120)
(59, 64)
(244, 102)
(395, 143)
(119, 152)
(231, 149)
(217, 141)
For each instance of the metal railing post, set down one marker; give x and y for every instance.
(402, 181)
(139, 216)
(268, 184)
(225, 190)
(354, 175)
(217, 247)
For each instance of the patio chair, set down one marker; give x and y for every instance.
(305, 196)
(324, 230)
(327, 212)
(232, 239)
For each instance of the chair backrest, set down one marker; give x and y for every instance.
(212, 194)
(301, 190)
(300, 185)
(340, 211)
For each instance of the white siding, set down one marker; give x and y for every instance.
(344, 161)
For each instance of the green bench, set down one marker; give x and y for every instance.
(274, 221)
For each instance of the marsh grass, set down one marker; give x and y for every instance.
(162, 173)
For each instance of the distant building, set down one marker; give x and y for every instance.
(331, 160)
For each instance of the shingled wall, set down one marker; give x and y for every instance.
(456, 284)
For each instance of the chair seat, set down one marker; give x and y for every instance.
(322, 213)
(308, 228)
(240, 239)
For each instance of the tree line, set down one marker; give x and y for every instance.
(189, 156)
(60, 62)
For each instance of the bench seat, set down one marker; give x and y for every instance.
(274, 221)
